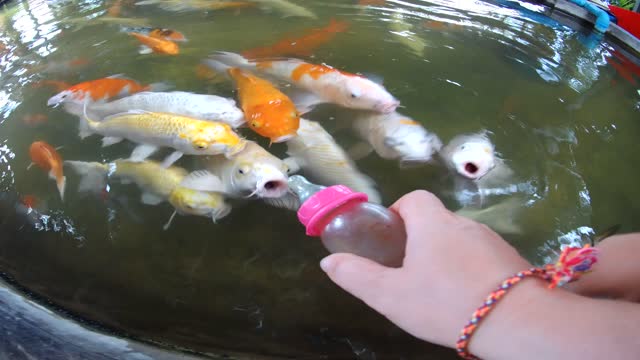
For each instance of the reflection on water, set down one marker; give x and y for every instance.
(561, 111)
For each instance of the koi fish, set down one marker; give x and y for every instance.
(189, 194)
(60, 67)
(471, 156)
(82, 22)
(501, 217)
(156, 45)
(268, 111)
(198, 106)
(321, 83)
(316, 152)
(58, 85)
(167, 34)
(396, 136)
(29, 201)
(48, 159)
(252, 171)
(303, 45)
(406, 34)
(34, 119)
(154, 130)
(286, 8)
(102, 89)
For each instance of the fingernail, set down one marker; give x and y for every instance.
(325, 264)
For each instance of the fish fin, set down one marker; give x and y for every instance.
(304, 101)
(231, 59)
(30, 166)
(58, 148)
(172, 158)
(293, 164)
(288, 201)
(110, 140)
(374, 77)
(166, 226)
(117, 76)
(202, 180)
(359, 150)
(141, 152)
(85, 122)
(93, 175)
(144, 50)
(61, 184)
(150, 199)
(160, 87)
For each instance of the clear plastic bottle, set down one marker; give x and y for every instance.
(346, 222)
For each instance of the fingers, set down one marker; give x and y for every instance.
(363, 278)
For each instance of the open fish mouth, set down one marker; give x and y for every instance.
(389, 107)
(273, 188)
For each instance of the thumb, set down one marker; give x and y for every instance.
(361, 277)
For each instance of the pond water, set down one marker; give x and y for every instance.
(563, 114)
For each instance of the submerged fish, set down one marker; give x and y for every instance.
(268, 111)
(58, 85)
(321, 83)
(48, 159)
(60, 67)
(501, 217)
(286, 8)
(82, 22)
(396, 136)
(471, 156)
(315, 151)
(154, 130)
(167, 34)
(189, 194)
(405, 34)
(199, 106)
(34, 119)
(156, 45)
(189, 5)
(252, 171)
(101, 89)
(303, 45)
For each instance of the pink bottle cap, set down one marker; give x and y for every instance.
(320, 204)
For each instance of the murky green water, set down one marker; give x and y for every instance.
(564, 120)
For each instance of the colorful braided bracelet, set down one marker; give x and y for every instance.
(572, 263)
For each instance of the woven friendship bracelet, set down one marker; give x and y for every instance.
(572, 263)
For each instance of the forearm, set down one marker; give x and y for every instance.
(617, 273)
(534, 322)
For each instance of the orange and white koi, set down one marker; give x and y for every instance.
(48, 159)
(101, 89)
(268, 111)
(322, 83)
(303, 45)
(156, 45)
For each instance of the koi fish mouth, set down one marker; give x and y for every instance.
(272, 188)
(387, 107)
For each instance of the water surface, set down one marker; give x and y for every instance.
(563, 118)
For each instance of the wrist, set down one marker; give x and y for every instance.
(528, 310)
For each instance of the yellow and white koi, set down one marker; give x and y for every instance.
(320, 83)
(252, 171)
(316, 152)
(189, 194)
(154, 130)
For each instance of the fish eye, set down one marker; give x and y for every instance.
(463, 147)
(353, 95)
(240, 171)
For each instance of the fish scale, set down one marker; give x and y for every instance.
(151, 175)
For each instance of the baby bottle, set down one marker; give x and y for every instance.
(347, 222)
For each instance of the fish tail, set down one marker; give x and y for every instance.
(336, 26)
(93, 175)
(61, 182)
(159, 87)
(217, 66)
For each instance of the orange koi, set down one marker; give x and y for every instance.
(48, 159)
(58, 85)
(34, 119)
(167, 34)
(304, 45)
(269, 112)
(29, 201)
(100, 89)
(157, 45)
